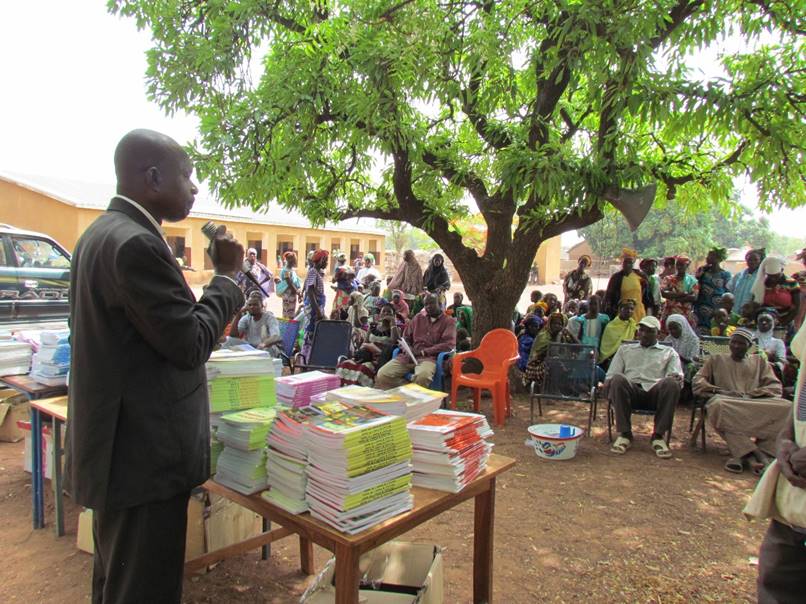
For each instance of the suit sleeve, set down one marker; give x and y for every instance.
(156, 301)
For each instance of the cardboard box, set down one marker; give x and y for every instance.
(47, 447)
(393, 573)
(14, 407)
(213, 522)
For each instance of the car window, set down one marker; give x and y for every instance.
(3, 259)
(37, 253)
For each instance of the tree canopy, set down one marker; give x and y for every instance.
(536, 112)
(672, 230)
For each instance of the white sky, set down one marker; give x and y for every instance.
(73, 84)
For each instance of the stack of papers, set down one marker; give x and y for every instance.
(450, 449)
(359, 466)
(297, 390)
(287, 458)
(241, 361)
(242, 463)
(15, 357)
(242, 471)
(420, 401)
(51, 363)
(410, 401)
(247, 429)
(235, 393)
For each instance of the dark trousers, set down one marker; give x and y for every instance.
(661, 398)
(782, 566)
(140, 553)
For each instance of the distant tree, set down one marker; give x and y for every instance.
(542, 112)
(674, 230)
(398, 234)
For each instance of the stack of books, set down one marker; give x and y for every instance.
(450, 449)
(359, 466)
(15, 357)
(215, 452)
(242, 463)
(410, 401)
(241, 361)
(236, 393)
(420, 401)
(287, 458)
(51, 363)
(297, 390)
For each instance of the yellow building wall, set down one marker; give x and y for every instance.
(548, 261)
(25, 209)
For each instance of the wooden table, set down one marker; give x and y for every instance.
(349, 548)
(56, 407)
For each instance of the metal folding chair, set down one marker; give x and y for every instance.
(570, 376)
(331, 340)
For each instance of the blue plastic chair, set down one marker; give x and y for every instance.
(289, 331)
(438, 381)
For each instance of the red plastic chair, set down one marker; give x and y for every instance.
(497, 351)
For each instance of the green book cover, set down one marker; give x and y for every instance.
(233, 393)
(397, 485)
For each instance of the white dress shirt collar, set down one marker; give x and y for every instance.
(145, 213)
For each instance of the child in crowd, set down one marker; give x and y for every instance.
(358, 371)
(462, 340)
(720, 323)
(536, 296)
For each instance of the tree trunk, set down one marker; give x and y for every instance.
(493, 295)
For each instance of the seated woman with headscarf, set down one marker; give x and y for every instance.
(685, 343)
(622, 327)
(745, 403)
(531, 327)
(773, 289)
(556, 330)
(774, 348)
(368, 273)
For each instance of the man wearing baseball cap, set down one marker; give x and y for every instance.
(644, 375)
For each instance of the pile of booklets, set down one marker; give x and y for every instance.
(450, 449)
(359, 466)
(51, 363)
(242, 463)
(287, 457)
(241, 361)
(15, 357)
(297, 390)
(410, 401)
(239, 392)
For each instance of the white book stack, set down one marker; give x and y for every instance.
(51, 362)
(15, 357)
(450, 449)
(296, 390)
(410, 401)
(242, 361)
(287, 458)
(242, 462)
(359, 467)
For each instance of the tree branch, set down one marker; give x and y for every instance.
(464, 179)
(679, 13)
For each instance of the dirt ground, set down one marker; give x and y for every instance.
(599, 528)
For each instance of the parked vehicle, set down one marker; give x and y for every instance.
(34, 277)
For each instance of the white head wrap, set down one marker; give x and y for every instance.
(772, 265)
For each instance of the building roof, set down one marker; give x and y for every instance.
(96, 196)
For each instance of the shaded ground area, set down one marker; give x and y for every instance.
(599, 528)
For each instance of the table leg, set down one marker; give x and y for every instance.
(483, 545)
(347, 575)
(265, 551)
(36, 469)
(306, 555)
(57, 476)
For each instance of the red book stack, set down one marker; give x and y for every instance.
(450, 449)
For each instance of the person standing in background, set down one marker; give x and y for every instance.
(138, 439)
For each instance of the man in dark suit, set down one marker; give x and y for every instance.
(138, 437)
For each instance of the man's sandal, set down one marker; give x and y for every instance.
(621, 445)
(661, 448)
(735, 465)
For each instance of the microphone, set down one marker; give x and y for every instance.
(210, 230)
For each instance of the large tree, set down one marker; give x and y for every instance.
(538, 112)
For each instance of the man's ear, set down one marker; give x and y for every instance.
(153, 178)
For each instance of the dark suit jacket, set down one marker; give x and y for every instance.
(138, 428)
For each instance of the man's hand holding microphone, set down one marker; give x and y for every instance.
(226, 253)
